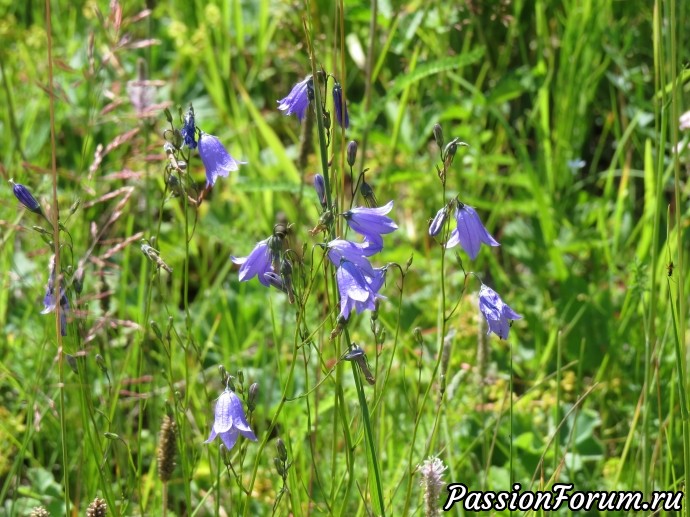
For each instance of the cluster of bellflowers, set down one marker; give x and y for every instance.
(359, 282)
(470, 234)
(181, 142)
(54, 296)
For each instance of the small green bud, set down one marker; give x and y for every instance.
(282, 450)
(279, 467)
(438, 135)
(253, 395)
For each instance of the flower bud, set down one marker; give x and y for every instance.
(156, 330)
(25, 197)
(72, 362)
(351, 153)
(310, 89)
(437, 223)
(177, 139)
(320, 187)
(240, 376)
(279, 467)
(438, 135)
(168, 115)
(282, 450)
(417, 332)
(101, 363)
(253, 395)
(368, 194)
(275, 280)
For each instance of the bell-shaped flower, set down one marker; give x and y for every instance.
(470, 232)
(340, 107)
(372, 223)
(339, 250)
(230, 420)
(298, 99)
(358, 291)
(498, 314)
(257, 263)
(217, 161)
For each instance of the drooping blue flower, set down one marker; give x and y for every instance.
(320, 187)
(470, 231)
(340, 106)
(25, 197)
(298, 99)
(372, 223)
(498, 314)
(257, 263)
(339, 250)
(358, 291)
(188, 130)
(230, 420)
(437, 223)
(217, 161)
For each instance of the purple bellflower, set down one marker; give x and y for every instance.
(340, 107)
(498, 314)
(357, 291)
(217, 161)
(470, 232)
(371, 223)
(25, 197)
(340, 250)
(230, 420)
(188, 130)
(298, 99)
(257, 263)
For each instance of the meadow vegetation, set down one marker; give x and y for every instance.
(557, 121)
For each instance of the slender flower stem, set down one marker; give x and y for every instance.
(55, 212)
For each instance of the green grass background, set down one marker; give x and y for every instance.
(590, 387)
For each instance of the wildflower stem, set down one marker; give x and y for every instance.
(323, 147)
(372, 461)
(58, 277)
(441, 342)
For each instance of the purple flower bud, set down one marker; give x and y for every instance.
(25, 197)
(320, 187)
(351, 153)
(188, 130)
(340, 107)
(439, 220)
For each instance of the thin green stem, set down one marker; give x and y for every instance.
(55, 212)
